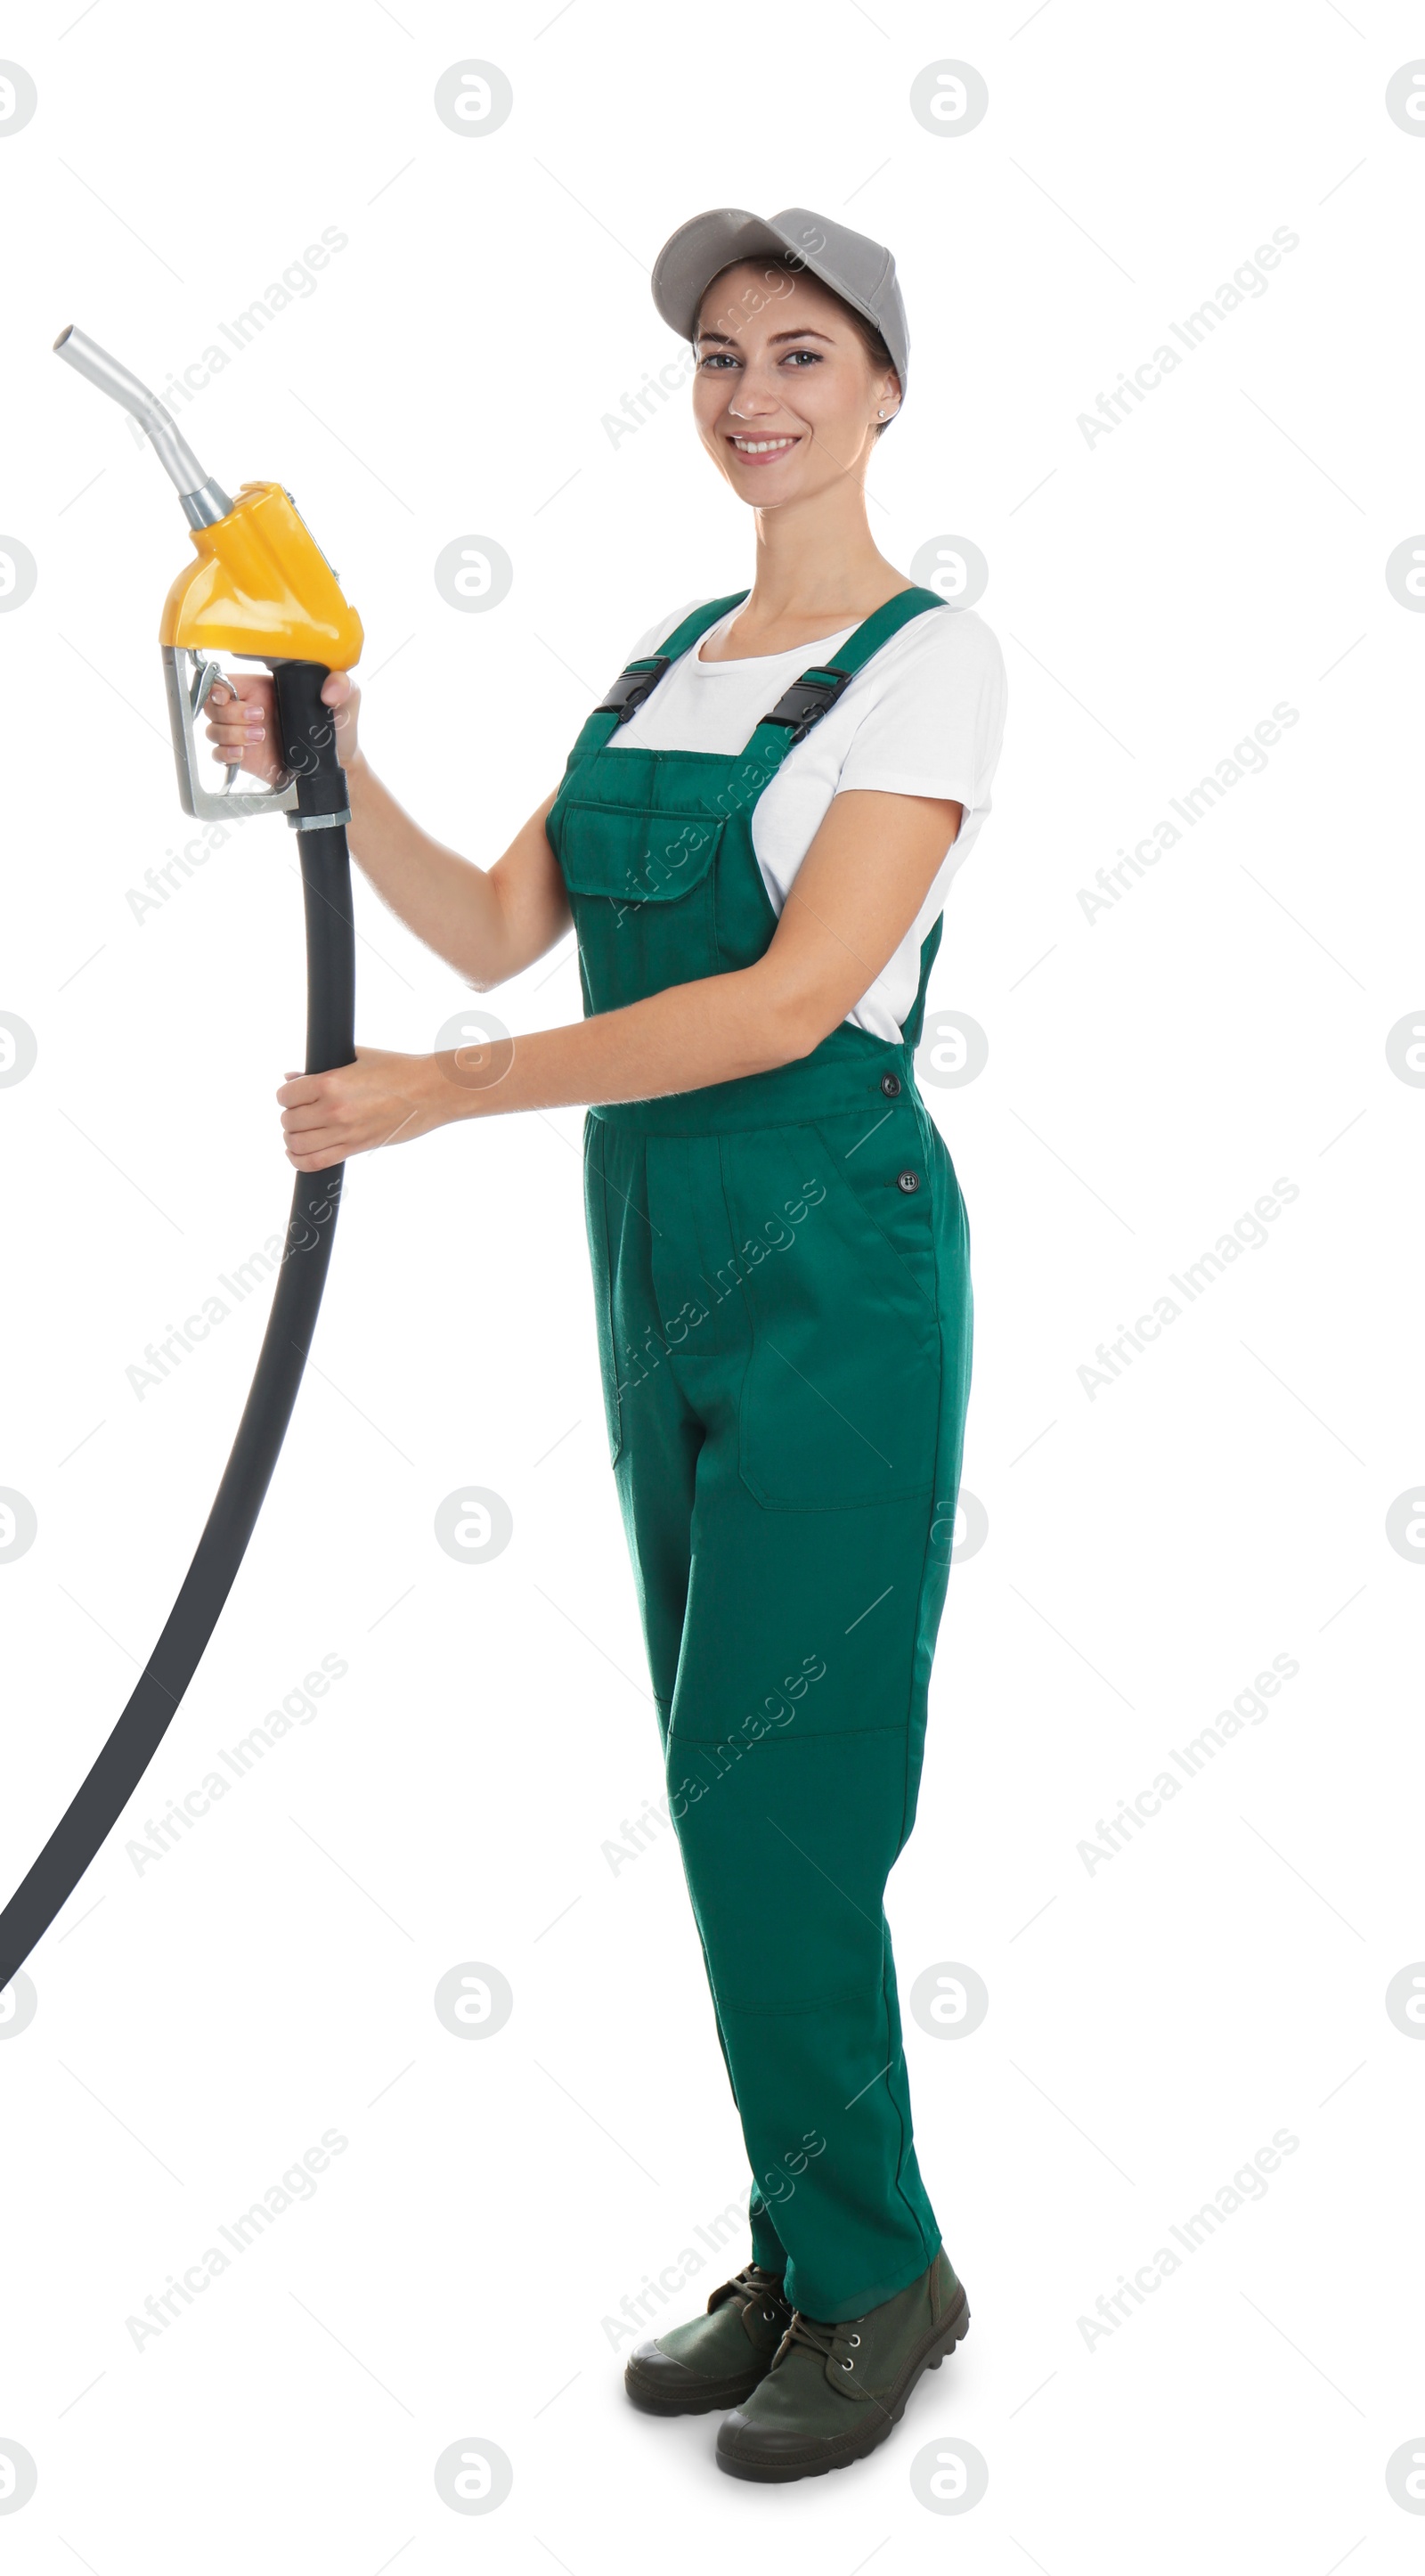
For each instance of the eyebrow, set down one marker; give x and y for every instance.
(805, 333)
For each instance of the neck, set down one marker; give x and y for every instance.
(817, 563)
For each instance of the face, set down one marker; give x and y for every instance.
(784, 395)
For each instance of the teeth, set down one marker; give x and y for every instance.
(761, 446)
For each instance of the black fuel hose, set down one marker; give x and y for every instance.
(309, 749)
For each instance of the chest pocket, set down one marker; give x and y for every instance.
(642, 888)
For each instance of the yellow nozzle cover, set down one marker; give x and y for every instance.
(261, 587)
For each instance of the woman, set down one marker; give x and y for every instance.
(753, 838)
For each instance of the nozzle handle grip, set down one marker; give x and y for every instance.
(308, 735)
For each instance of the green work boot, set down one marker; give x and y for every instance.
(718, 2358)
(834, 2391)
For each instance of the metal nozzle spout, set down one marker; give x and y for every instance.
(203, 501)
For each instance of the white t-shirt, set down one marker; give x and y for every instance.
(924, 717)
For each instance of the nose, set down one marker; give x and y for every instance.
(755, 402)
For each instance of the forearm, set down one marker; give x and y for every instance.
(859, 890)
(682, 1039)
(450, 904)
(678, 1040)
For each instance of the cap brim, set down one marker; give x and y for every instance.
(692, 256)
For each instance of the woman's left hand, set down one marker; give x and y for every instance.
(382, 1099)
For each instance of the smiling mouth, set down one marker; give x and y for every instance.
(764, 446)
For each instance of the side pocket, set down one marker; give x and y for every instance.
(841, 1395)
(863, 1159)
(596, 1219)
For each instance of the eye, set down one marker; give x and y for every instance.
(814, 356)
(717, 358)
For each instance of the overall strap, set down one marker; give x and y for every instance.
(809, 697)
(638, 679)
(914, 1021)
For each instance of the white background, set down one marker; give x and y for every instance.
(1150, 1075)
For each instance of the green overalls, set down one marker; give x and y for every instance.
(781, 1273)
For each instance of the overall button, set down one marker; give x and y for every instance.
(907, 1181)
(890, 1084)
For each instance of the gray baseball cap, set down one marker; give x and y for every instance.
(853, 266)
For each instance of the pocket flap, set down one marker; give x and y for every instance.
(631, 854)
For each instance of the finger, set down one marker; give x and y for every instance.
(336, 689)
(234, 709)
(313, 1096)
(325, 1145)
(309, 1134)
(233, 725)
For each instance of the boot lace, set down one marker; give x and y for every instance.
(754, 2287)
(822, 2338)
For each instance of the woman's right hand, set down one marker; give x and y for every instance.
(242, 721)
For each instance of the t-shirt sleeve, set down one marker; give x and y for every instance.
(934, 721)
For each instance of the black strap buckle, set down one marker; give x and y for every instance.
(632, 687)
(807, 700)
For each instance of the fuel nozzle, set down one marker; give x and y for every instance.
(259, 587)
(204, 502)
